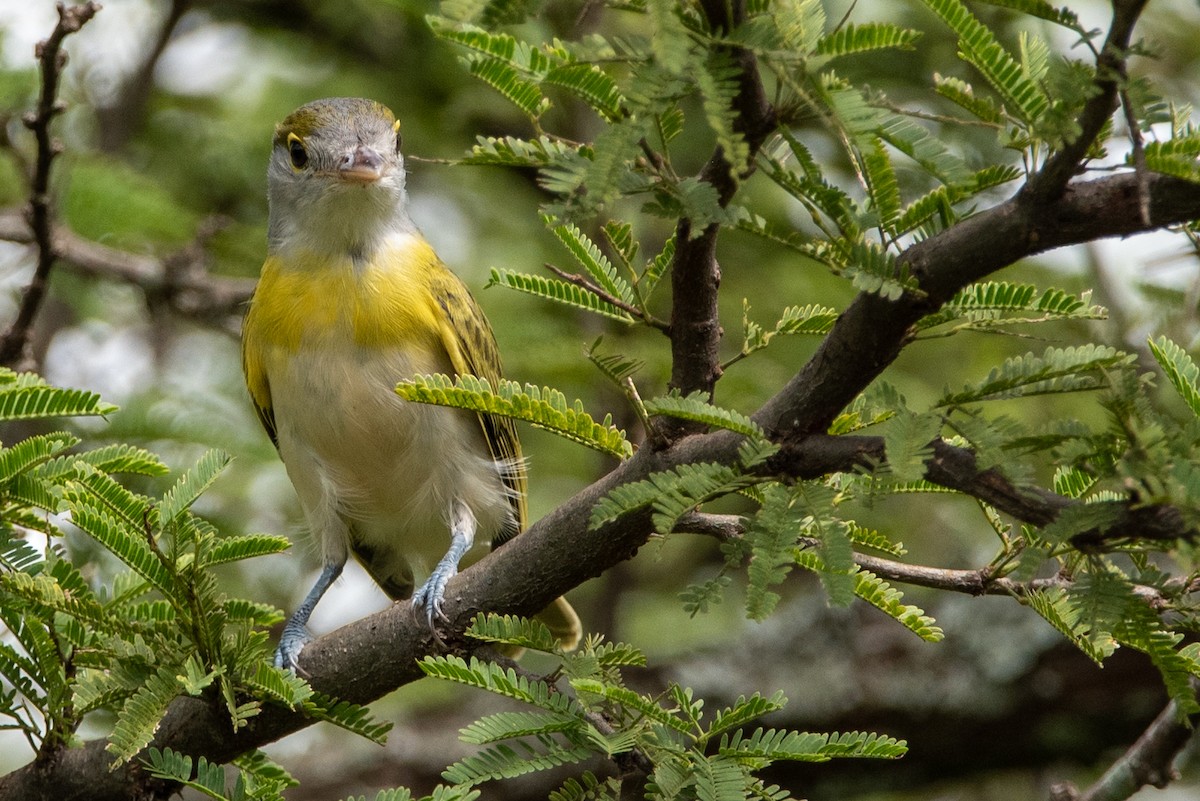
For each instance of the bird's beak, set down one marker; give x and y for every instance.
(363, 166)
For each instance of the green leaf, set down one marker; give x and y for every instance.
(882, 186)
(592, 85)
(850, 39)
(30, 401)
(963, 94)
(1176, 157)
(744, 710)
(123, 458)
(507, 762)
(246, 546)
(1055, 608)
(191, 485)
(141, 714)
(510, 151)
(929, 151)
(1056, 370)
(126, 540)
(771, 537)
(512, 630)
(719, 83)
(496, 679)
(629, 703)
(657, 267)
(588, 256)
(1023, 98)
(907, 441)
(1040, 8)
(695, 408)
(619, 235)
(545, 408)
(559, 292)
(671, 493)
(508, 725)
(985, 305)
(503, 77)
(33, 451)
(1072, 482)
(351, 717)
(669, 39)
(500, 46)
(883, 597)
(777, 744)
(1179, 369)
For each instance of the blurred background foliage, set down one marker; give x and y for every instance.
(171, 109)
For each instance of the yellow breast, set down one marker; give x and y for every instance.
(307, 300)
(304, 296)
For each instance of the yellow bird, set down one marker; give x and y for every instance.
(351, 300)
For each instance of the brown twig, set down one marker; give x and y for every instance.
(583, 283)
(119, 121)
(176, 280)
(1049, 182)
(51, 61)
(968, 582)
(1149, 761)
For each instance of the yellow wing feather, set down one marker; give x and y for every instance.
(468, 339)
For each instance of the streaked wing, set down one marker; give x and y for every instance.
(469, 340)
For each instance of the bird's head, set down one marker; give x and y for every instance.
(336, 177)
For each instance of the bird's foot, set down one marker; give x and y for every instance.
(430, 595)
(291, 643)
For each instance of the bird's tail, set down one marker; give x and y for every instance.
(563, 623)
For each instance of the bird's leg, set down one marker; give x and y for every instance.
(462, 535)
(295, 631)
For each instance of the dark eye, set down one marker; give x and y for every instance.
(396, 128)
(297, 152)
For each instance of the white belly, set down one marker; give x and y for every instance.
(376, 474)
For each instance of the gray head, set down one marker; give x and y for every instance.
(336, 177)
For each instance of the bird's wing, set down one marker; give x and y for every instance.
(471, 345)
(256, 377)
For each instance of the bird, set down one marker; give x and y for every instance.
(351, 300)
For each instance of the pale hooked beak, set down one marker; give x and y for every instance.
(363, 166)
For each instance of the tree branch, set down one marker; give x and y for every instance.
(873, 330)
(51, 61)
(1149, 761)
(695, 275)
(1049, 182)
(119, 121)
(373, 656)
(181, 282)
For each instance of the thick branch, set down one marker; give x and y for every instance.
(51, 61)
(956, 468)
(873, 330)
(695, 274)
(373, 656)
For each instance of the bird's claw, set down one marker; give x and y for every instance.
(291, 643)
(430, 595)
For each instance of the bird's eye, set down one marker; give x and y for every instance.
(297, 152)
(396, 128)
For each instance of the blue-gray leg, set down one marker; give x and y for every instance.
(295, 631)
(431, 594)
